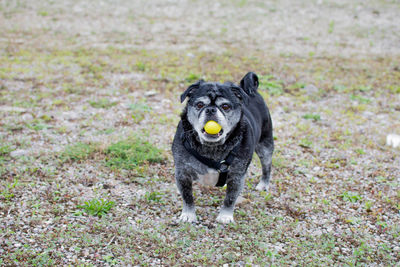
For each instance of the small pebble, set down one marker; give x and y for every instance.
(311, 89)
(18, 153)
(150, 93)
(393, 140)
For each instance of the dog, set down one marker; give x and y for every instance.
(223, 157)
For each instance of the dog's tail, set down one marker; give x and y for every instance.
(249, 83)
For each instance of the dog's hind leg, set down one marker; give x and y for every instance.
(264, 150)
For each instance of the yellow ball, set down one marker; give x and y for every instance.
(212, 127)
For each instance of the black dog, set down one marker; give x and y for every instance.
(222, 157)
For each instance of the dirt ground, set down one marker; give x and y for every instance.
(80, 78)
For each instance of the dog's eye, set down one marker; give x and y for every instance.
(200, 105)
(225, 107)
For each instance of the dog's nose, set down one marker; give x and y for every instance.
(211, 111)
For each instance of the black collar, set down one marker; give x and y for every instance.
(221, 166)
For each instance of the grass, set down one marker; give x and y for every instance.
(38, 126)
(130, 153)
(139, 110)
(351, 196)
(102, 103)
(314, 117)
(192, 77)
(7, 193)
(154, 197)
(273, 86)
(331, 26)
(5, 150)
(141, 66)
(306, 143)
(360, 99)
(97, 207)
(77, 152)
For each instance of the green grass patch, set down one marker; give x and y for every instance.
(139, 110)
(268, 83)
(295, 88)
(314, 117)
(141, 66)
(394, 89)
(154, 197)
(331, 26)
(39, 126)
(43, 13)
(97, 207)
(7, 193)
(306, 143)
(340, 88)
(350, 196)
(5, 150)
(360, 151)
(192, 77)
(279, 161)
(368, 205)
(360, 99)
(77, 152)
(140, 107)
(102, 103)
(364, 88)
(132, 152)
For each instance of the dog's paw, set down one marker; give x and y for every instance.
(262, 186)
(225, 218)
(187, 217)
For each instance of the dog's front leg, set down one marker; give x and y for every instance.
(233, 190)
(184, 184)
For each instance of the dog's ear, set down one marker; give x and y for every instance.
(249, 83)
(240, 93)
(190, 90)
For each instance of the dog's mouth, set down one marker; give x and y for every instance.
(211, 136)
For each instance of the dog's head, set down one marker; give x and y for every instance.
(218, 102)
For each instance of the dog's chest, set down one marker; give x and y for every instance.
(209, 178)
